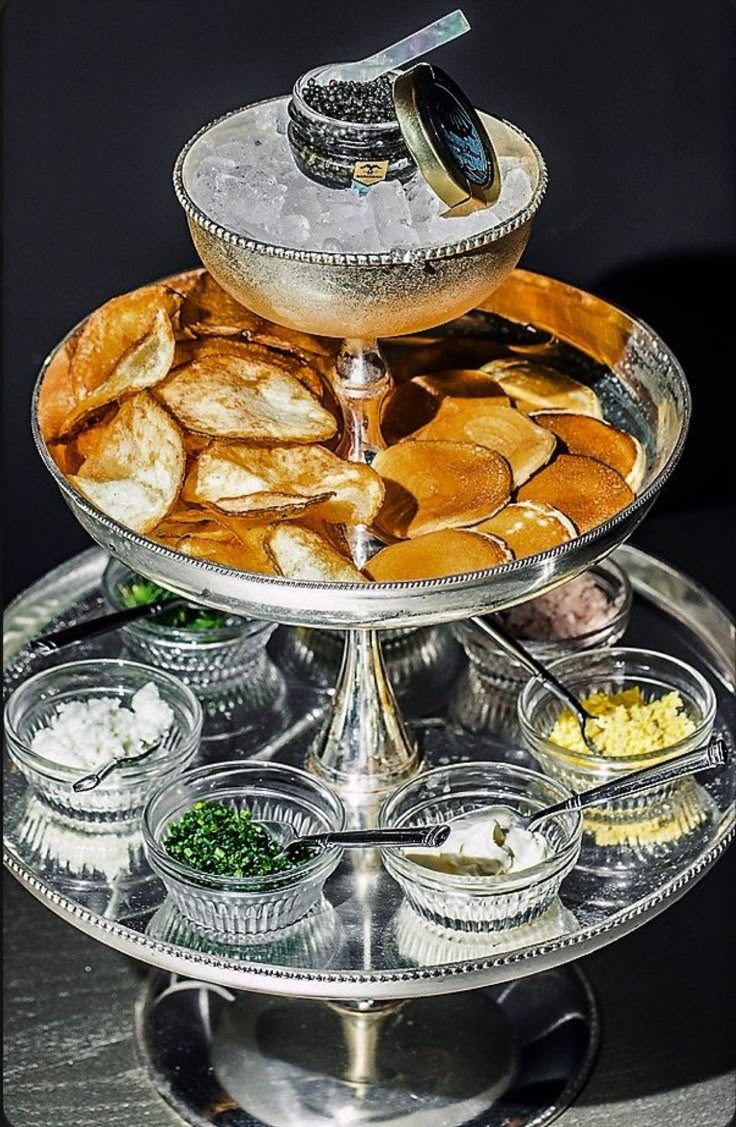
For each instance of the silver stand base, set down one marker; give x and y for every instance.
(364, 750)
(513, 1054)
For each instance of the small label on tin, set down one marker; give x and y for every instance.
(370, 171)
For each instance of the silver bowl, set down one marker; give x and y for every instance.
(361, 296)
(647, 393)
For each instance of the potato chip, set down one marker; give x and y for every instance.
(209, 310)
(414, 404)
(66, 456)
(529, 527)
(202, 529)
(227, 470)
(594, 438)
(135, 466)
(270, 506)
(535, 387)
(234, 397)
(86, 440)
(437, 485)
(307, 374)
(56, 397)
(188, 514)
(230, 551)
(585, 490)
(462, 383)
(125, 346)
(436, 555)
(525, 446)
(251, 535)
(194, 444)
(299, 553)
(185, 282)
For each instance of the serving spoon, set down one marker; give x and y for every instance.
(89, 782)
(519, 653)
(713, 754)
(419, 43)
(428, 836)
(100, 624)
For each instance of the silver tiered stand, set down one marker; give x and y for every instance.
(363, 1013)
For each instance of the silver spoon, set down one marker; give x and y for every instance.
(713, 754)
(429, 836)
(89, 782)
(100, 624)
(514, 649)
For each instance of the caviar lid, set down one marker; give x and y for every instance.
(447, 139)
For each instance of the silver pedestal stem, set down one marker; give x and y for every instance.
(364, 749)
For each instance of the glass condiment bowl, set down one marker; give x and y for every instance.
(470, 903)
(123, 794)
(659, 814)
(232, 907)
(203, 658)
(485, 698)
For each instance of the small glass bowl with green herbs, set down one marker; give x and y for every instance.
(201, 645)
(225, 872)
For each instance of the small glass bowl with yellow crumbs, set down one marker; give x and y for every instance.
(648, 707)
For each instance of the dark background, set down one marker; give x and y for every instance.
(631, 102)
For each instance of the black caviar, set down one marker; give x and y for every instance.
(216, 838)
(362, 102)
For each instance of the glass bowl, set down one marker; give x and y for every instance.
(477, 904)
(244, 906)
(658, 814)
(202, 658)
(485, 698)
(123, 794)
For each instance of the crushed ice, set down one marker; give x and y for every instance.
(244, 178)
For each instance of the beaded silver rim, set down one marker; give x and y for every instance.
(453, 976)
(326, 258)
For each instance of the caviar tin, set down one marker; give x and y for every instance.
(432, 128)
(345, 154)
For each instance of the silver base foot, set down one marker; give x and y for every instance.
(513, 1054)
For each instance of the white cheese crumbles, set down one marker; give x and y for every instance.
(86, 733)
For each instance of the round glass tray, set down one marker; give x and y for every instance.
(363, 941)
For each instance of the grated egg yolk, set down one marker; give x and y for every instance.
(627, 724)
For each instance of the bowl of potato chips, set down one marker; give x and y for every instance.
(197, 442)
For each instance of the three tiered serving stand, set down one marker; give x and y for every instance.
(363, 1013)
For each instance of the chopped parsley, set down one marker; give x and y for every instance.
(216, 838)
(141, 592)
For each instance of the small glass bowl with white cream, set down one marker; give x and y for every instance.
(68, 721)
(491, 872)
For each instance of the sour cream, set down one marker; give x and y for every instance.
(485, 843)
